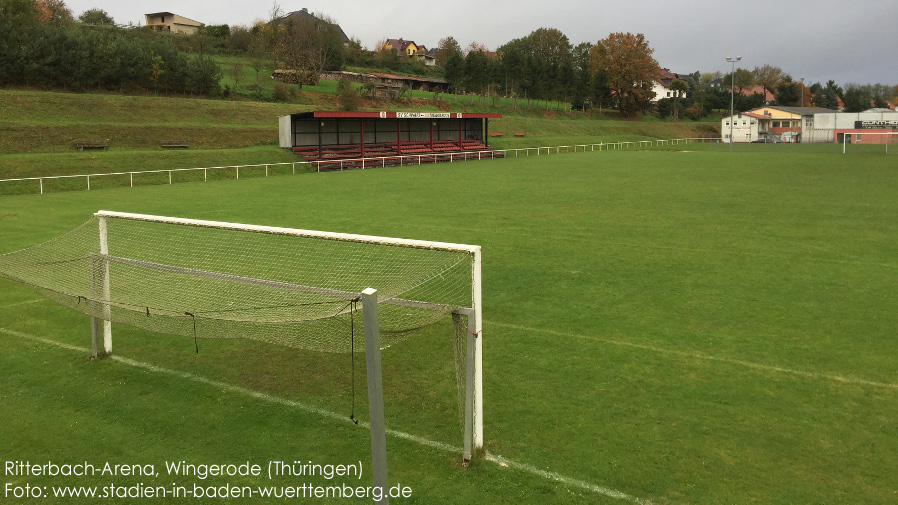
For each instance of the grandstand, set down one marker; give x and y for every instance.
(331, 139)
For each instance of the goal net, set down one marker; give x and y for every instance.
(297, 288)
(869, 142)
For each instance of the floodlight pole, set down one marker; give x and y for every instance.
(732, 96)
(375, 393)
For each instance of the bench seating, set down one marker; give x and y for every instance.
(90, 144)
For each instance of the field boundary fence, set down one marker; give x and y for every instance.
(39, 184)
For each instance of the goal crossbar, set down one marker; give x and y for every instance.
(294, 232)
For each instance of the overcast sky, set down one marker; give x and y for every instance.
(844, 40)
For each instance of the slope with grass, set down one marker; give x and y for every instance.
(35, 121)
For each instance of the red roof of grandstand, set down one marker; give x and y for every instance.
(397, 114)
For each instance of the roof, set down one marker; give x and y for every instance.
(393, 115)
(757, 88)
(407, 78)
(304, 14)
(801, 111)
(399, 44)
(665, 76)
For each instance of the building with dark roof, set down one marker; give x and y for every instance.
(304, 14)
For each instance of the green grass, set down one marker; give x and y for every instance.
(683, 327)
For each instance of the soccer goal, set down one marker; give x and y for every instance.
(873, 142)
(298, 288)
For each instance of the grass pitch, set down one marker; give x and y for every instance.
(663, 327)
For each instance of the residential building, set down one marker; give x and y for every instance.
(168, 22)
(745, 127)
(661, 86)
(303, 14)
(403, 47)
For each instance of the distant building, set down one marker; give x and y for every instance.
(833, 126)
(403, 47)
(661, 86)
(168, 22)
(774, 123)
(303, 14)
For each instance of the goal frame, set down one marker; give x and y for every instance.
(473, 415)
(848, 136)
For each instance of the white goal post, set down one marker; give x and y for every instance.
(883, 142)
(103, 283)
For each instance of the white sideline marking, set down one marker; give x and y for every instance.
(493, 458)
(16, 304)
(708, 357)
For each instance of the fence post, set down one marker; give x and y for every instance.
(88, 183)
(205, 174)
(169, 176)
(41, 180)
(266, 170)
(238, 173)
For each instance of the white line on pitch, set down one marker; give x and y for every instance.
(16, 304)
(708, 357)
(494, 458)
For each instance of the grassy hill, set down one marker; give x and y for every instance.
(38, 128)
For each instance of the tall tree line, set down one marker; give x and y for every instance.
(51, 50)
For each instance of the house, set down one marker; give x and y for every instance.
(744, 127)
(661, 86)
(168, 22)
(402, 47)
(303, 14)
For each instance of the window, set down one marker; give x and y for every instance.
(776, 124)
(668, 93)
(727, 123)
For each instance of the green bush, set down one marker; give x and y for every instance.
(281, 93)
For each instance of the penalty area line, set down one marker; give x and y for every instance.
(493, 458)
(26, 302)
(708, 357)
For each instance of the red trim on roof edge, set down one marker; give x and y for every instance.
(392, 114)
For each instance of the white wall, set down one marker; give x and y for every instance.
(745, 128)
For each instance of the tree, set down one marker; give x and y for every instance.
(258, 55)
(475, 47)
(476, 72)
(742, 79)
(856, 98)
(788, 93)
(445, 48)
(627, 61)
(53, 12)
(235, 69)
(768, 77)
(95, 17)
(306, 46)
(455, 70)
(679, 87)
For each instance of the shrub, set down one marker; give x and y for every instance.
(347, 96)
(281, 93)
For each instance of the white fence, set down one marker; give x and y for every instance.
(368, 162)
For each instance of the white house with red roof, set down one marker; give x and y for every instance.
(661, 86)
